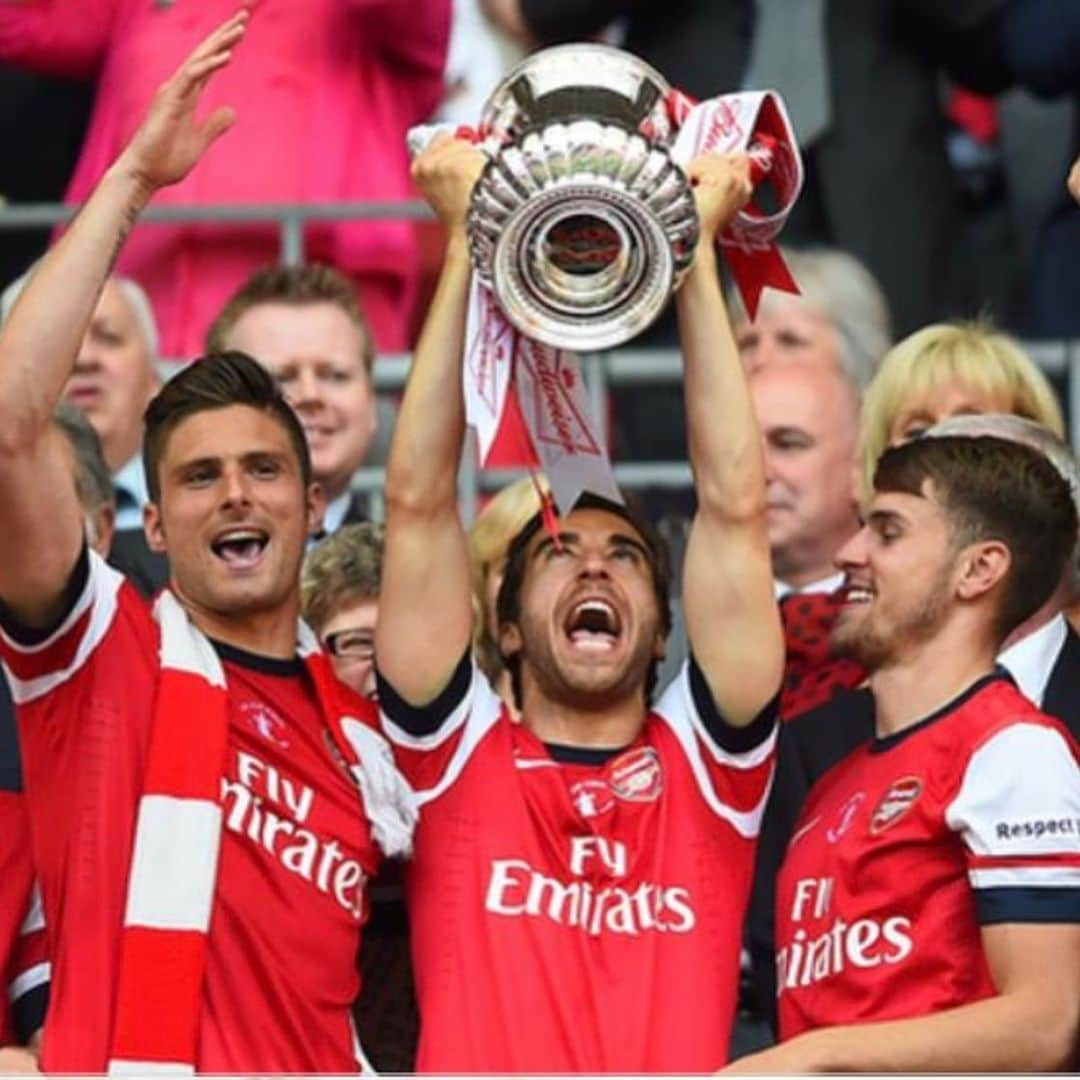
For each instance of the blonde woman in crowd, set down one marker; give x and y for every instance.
(497, 524)
(949, 369)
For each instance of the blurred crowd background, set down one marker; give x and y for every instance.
(936, 138)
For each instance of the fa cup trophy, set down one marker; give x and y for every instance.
(581, 224)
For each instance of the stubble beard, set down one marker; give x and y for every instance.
(874, 649)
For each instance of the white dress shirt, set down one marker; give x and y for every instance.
(1031, 660)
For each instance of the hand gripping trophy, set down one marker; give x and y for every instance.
(582, 225)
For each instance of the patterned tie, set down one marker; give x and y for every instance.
(811, 675)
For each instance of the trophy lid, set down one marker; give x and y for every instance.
(579, 80)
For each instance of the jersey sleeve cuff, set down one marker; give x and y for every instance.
(735, 740)
(29, 636)
(1020, 904)
(425, 720)
(28, 1011)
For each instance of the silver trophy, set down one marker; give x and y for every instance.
(581, 223)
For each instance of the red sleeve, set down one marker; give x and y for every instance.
(432, 744)
(37, 662)
(56, 37)
(22, 926)
(733, 766)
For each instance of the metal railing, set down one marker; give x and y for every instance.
(1058, 359)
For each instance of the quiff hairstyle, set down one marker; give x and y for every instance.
(508, 604)
(972, 354)
(313, 283)
(345, 567)
(994, 489)
(216, 382)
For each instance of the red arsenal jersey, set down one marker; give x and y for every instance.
(910, 845)
(23, 958)
(295, 854)
(575, 910)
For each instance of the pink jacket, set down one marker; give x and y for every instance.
(324, 91)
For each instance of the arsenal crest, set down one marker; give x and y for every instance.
(636, 775)
(896, 802)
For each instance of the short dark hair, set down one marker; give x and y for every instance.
(312, 283)
(216, 382)
(994, 489)
(508, 602)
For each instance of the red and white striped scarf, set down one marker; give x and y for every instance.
(178, 833)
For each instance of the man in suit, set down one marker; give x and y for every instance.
(114, 377)
(305, 326)
(1042, 655)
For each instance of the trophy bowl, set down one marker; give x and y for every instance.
(581, 224)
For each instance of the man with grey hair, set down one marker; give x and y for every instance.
(839, 317)
(808, 357)
(113, 379)
(1042, 655)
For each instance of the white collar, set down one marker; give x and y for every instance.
(334, 514)
(131, 478)
(826, 585)
(1031, 659)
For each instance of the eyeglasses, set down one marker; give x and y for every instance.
(351, 644)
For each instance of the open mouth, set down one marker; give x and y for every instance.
(856, 594)
(240, 548)
(593, 625)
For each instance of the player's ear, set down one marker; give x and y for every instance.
(981, 567)
(509, 639)
(152, 527)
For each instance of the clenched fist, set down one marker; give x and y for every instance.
(445, 171)
(722, 187)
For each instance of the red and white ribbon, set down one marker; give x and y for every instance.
(755, 123)
(562, 437)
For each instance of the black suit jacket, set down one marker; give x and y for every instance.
(878, 182)
(809, 746)
(131, 555)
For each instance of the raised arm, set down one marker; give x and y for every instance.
(425, 599)
(41, 524)
(732, 621)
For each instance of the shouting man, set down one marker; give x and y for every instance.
(578, 888)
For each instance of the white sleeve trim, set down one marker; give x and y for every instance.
(400, 737)
(28, 980)
(1019, 797)
(1026, 877)
(101, 595)
(676, 708)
